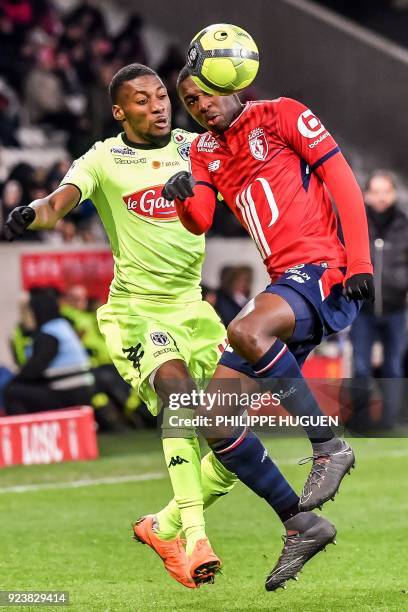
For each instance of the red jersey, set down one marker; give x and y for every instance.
(268, 168)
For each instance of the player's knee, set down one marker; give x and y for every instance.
(173, 380)
(243, 335)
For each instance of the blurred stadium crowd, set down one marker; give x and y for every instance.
(54, 71)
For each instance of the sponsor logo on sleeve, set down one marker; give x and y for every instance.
(311, 127)
(258, 145)
(318, 140)
(150, 204)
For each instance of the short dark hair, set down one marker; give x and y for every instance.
(183, 74)
(380, 173)
(127, 73)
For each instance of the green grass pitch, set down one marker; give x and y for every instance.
(77, 538)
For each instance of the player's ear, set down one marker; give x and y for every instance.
(118, 113)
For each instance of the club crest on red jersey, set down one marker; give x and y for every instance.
(151, 204)
(258, 145)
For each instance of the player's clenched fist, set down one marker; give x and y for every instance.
(179, 186)
(18, 221)
(360, 287)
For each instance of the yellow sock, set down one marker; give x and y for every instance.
(183, 462)
(216, 481)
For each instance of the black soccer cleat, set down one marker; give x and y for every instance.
(332, 460)
(306, 535)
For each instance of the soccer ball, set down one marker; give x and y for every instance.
(222, 59)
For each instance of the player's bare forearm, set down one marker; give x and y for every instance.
(52, 208)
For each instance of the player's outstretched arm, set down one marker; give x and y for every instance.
(298, 126)
(341, 182)
(195, 201)
(42, 213)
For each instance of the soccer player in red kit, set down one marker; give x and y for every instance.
(274, 164)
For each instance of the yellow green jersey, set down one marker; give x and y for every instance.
(155, 257)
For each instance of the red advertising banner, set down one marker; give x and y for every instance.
(93, 269)
(48, 437)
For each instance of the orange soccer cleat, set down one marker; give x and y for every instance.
(171, 552)
(203, 563)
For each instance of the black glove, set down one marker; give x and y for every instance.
(360, 287)
(179, 186)
(18, 221)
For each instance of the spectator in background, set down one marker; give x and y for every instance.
(19, 11)
(9, 40)
(111, 391)
(21, 341)
(46, 17)
(86, 19)
(5, 376)
(234, 291)
(385, 320)
(44, 93)
(9, 116)
(24, 174)
(56, 374)
(12, 196)
(103, 124)
(129, 42)
(209, 295)
(56, 173)
(65, 233)
(74, 307)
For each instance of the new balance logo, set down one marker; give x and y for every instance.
(135, 354)
(177, 461)
(214, 165)
(296, 278)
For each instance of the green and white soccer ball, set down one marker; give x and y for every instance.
(222, 59)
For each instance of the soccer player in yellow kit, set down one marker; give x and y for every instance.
(159, 332)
